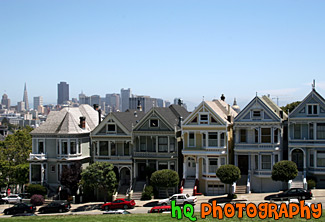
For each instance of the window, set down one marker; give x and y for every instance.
(64, 147)
(111, 128)
(257, 114)
(256, 135)
(73, 147)
(222, 139)
(204, 118)
(243, 136)
(162, 165)
(40, 147)
(172, 165)
(162, 144)
(256, 162)
(276, 136)
(320, 158)
(52, 168)
(204, 140)
(127, 149)
(297, 131)
(312, 109)
(311, 160)
(321, 131)
(103, 148)
(143, 144)
(223, 161)
(191, 139)
(213, 165)
(266, 162)
(154, 123)
(113, 149)
(172, 144)
(266, 135)
(213, 139)
(276, 158)
(311, 131)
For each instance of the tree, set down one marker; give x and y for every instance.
(284, 170)
(164, 179)
(290, 107)
(228, 174)
(99, 175)
(70, 178)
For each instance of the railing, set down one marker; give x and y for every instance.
(37, 156)
(68, 156)
(151, 154)
(256, 146)
(248, 185)
(263, 172)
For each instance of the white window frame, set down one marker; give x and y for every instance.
(270, 155)
(257, 117)
(204, 122)
(188, 141)
(111, 132)
(312, 108)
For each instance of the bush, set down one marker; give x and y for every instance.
(284, 171)
(147, 193)
(228, 174)
(311, 183)
(36, 189)
(37, 200)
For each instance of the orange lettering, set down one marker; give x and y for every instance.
(317, 212)
(240, 207)
(226, 209)
(304, 208)
(272, 210)
(216, 208)
(293, 207)
(262, 208)
(251, 210)
(205, 213)
(283, 210)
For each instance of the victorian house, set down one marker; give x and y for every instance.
(307, 138)
(258, 133)
(112, 142)
(59, 142)
(207, 136)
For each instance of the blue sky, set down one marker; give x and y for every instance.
(164, 49)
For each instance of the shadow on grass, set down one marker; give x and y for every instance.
(151, 204)
(87, 207)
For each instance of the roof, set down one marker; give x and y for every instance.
(222, 109)
(172, 114)
(66, 121)
(128, 118)
(269, 102)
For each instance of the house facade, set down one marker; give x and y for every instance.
(207, 136)
(306, 131)
(59, 142)
(258, 132)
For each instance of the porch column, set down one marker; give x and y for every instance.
(30, 173)
(184, 168)
(157, 146)
(197, 166)
(290, 153)
(218, 140)
(97, 149)
(249, 163)
(42, 174)
(305, 160)
(206, 165)
(134, 170)
(315, 158)
(131, 175)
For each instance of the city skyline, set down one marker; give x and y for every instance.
(169, 49)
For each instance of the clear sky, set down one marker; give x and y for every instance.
(165, 49)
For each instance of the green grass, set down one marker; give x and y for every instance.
(140, 218)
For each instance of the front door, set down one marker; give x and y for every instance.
(191, 167)
(243, 164)
(142, 171)
(297, 156)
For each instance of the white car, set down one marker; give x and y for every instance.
(181, 199)
(116, 212)
(13, 198)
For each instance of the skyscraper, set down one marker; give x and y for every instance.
(25, 98)
(5, 101)
(125, 96)
(63, 92)
(38, 101)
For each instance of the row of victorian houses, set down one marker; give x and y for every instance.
(194, 144)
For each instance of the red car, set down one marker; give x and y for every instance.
(119, 204)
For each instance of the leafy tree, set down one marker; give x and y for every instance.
(99, 175)
(290, 107)
(228, 174)
(164, 179)
(70, 177)
(284, 170)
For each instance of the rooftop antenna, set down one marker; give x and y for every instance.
(277, 100)
(256, 93)
(202, 98)
(313, 85)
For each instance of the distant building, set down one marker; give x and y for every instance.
(160, 103)
(5, 101)
(94, 99)
(21, 106)
(113, 100)
(145, 101)
(125, 96)
(25, 99)
(63, 92)
(167, 103)
(83, 99)
(38, 101)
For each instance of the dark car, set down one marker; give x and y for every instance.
(55, 207)
(20, 208)
(119, 204)
(299, 193)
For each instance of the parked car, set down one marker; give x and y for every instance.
(160, 209)
(181, 199)
(116, 212)
(295, 201)
(119, 204)
(299, 193)
(13, 198)
(25, 195)
(3, 194)
(55, 207)
(20, 208)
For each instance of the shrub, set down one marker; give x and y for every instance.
(284, 170)
(36, 189)
(311, 183)
(228, 174)
(147, 193)
(37, 200)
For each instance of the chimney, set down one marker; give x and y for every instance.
(95, 107)
(223, 97)
(99, 116)
(180, 120)
(135, 114)
(82, 122)
(139, 106)
(180, 102)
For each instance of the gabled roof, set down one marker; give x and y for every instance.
(268, 105)
(219, 108)
(170, 114)
(66, 121)
(303, 102)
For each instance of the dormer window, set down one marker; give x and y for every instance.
(256, 114)
(312, 109)
(154, 123)
(204, 118)
(111, 128)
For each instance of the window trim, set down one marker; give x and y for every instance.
(111, 132)
(150, 125)
(312, 105)
(204, 122)
(188, 141)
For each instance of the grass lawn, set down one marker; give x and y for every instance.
(140, 218)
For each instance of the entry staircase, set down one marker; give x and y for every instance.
(189, 186)
(138, 189)
(122, 191)
(241, 185)
(298, 182)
